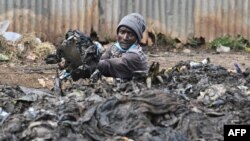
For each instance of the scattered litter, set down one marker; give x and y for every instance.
(31, 113)
(199, 64)
(42, 82)
(212, 94)
(11, 36)
(222, 48)
(4, 26)
(237, 68)
(3, 115)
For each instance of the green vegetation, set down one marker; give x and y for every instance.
(235, 43)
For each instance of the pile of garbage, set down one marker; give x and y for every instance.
(17, 46)
(185, 103)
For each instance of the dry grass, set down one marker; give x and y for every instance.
(28, 43)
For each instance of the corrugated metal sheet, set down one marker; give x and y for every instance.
(50, 19)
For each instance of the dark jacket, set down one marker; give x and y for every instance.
(119, 63)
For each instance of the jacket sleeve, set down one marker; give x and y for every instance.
(121, 67)
(106, 54)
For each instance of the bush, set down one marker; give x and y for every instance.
(235, 43)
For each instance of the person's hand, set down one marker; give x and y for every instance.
(52, 59)
(95, 75)
(77, 74)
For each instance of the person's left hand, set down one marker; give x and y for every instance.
(52, 59)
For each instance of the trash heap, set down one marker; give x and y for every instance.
(189, 103)
(14, 46)
(27, 47)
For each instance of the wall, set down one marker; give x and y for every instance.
(50, 19)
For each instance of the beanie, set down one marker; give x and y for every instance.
(135, 22)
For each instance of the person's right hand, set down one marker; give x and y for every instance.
(77, 74)
(96, 75)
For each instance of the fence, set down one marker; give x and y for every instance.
(50, 19)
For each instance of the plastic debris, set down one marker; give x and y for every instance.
(237, 68)
(3, 115)
(194, 64)
(191, 104)
(222, 48)
(211, 94)
(31, 113)
(64, 75)
(12, 36)
(4, 26)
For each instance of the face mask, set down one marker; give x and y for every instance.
(124, 50)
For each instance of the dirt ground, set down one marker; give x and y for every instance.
(40, 75)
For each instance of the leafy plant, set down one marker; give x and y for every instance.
(235, 43)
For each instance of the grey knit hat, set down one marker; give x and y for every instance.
(135, 22)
